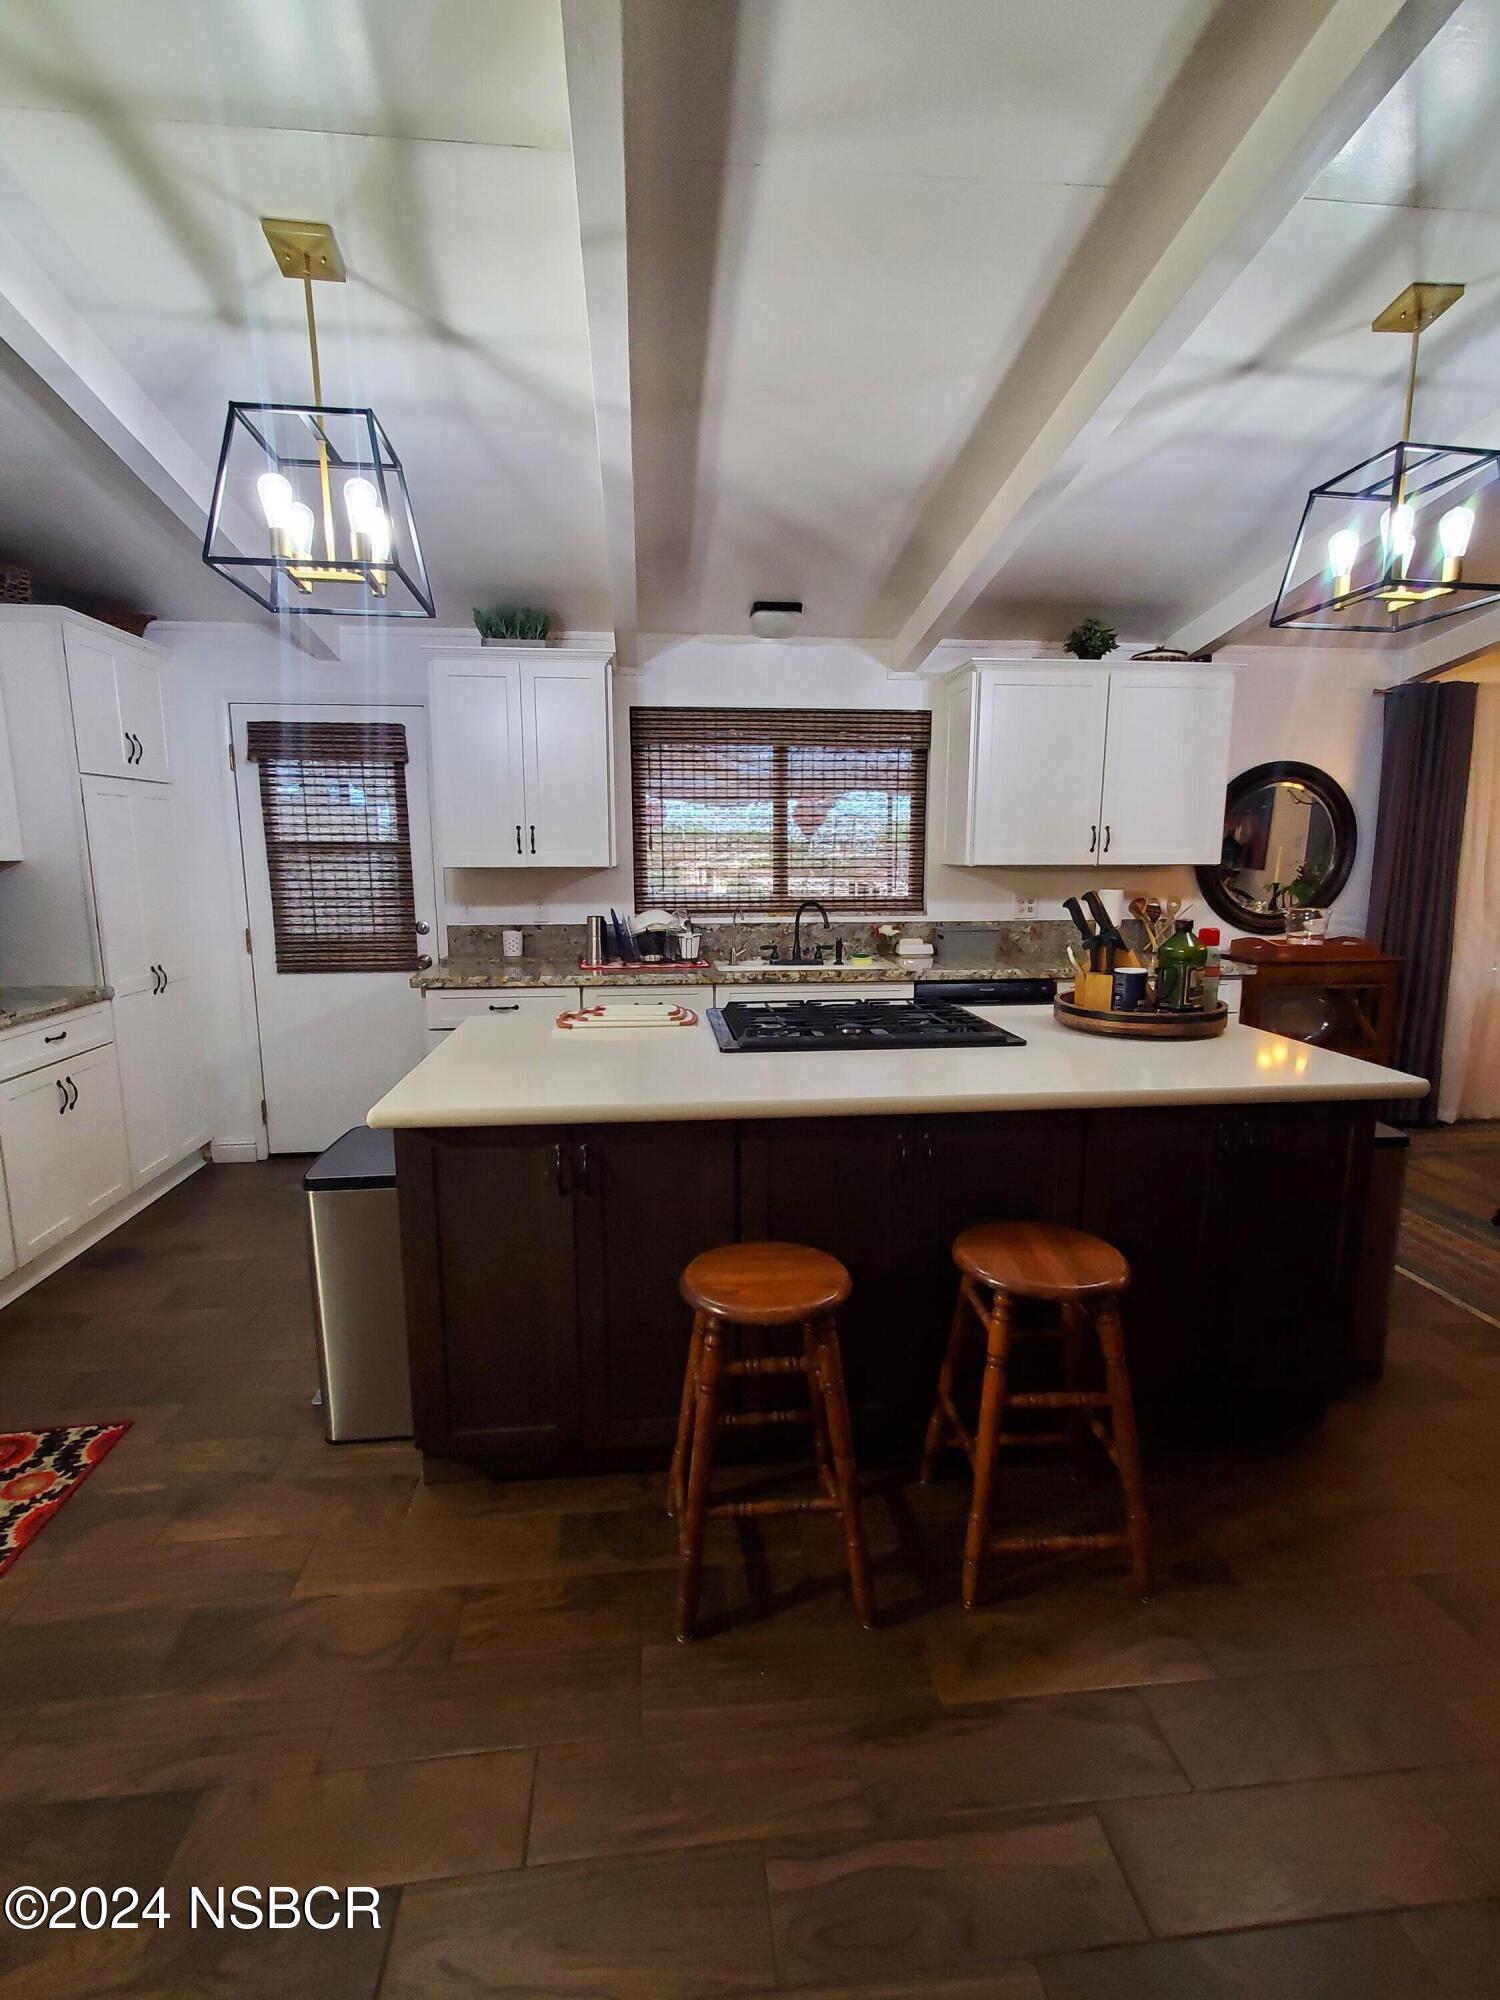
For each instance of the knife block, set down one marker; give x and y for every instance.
(1094, 991)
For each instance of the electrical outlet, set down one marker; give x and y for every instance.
(1026, 906)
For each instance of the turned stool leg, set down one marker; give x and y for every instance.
(1127, 1452)
(937, 1423)
(987, 1445)
(822, 1449)
(693, 1519)
(830, 1393)
(677, 1478)
(1075, 1321)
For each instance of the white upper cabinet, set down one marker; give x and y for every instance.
(119, 725)
(1056, 765)
(522, 763)
(1166, 764)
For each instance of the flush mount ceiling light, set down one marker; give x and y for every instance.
(775, 618)
(310, 510)
(1400, 539)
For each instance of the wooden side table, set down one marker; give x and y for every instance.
(1341, 993)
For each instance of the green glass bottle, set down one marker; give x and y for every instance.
(1179, 971)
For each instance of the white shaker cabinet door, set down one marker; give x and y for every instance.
(477, 763)
(565, 736)
(99, 730)
(62, 1136)
(1037, 753)
(1166, 765)
(7, 1240)
(183, 1081)
(142, 714)
(139, 1048)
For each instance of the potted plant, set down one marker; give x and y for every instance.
(1091, 639)
(512, 625)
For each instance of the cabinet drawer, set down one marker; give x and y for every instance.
(447, 1010)
(23, 1049)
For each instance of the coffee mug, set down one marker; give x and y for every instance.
(1129, 989)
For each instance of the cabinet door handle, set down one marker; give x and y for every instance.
(1093, 838)
(926, 1154)
(60, 1036)
(1106, 836)
(129, 747)
(560, 1168)
(165, 982)
(586, 1166)
(62, 1093)
(73, 1087)
(533, 840)
(518, 839)
(140, 749)
(505, 1006)
(901, 1161)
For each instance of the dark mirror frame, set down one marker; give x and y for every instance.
(1335, 801)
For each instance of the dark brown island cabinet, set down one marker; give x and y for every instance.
(547, 1334)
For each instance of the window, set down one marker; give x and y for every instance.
(759, 808)
(333, 804)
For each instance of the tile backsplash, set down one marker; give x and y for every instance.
(1031, 943)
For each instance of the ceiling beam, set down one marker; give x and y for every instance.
(44, 329)
(593, 41)
(1265, 100)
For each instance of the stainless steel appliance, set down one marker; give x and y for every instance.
(358, 1291)
(783, 1025)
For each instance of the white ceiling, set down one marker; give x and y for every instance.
(845, 220)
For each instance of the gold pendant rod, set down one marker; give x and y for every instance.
(317, 388)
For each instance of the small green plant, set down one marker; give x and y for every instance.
(1091, 639)
(512, 621)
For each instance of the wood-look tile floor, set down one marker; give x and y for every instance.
(240, 1655)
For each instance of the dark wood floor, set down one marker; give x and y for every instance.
(242, 1656)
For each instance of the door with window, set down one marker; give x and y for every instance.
(336, 837)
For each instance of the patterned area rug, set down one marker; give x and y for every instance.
(39, 1470)
(1448, 1238)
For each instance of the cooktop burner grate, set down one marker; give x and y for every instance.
(782, 1025)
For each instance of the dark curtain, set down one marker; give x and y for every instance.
(1424, 780)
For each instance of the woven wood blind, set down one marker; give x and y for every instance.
(760, 808)
(338, 844)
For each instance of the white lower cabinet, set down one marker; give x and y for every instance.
(62, 1137)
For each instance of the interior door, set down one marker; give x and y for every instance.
(1165, 767)
(1039, 757)
(332, 1042)
(565, 735)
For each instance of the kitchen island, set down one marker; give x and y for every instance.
(553, 1183)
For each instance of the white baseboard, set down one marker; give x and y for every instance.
(22, 1281)
(233, 1153)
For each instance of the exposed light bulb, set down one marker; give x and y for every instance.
(276, 498)
(299, 528)
(379, 533)
(1398, 530)
(362, 504)
(1343, 550)
(1454, 530)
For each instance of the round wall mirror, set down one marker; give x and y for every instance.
(1289, 840)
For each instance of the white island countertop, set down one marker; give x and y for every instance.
(527, 1072)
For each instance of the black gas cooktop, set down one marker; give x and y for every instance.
(779, 1025)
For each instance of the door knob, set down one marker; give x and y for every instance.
(422, 928)
(424, 960)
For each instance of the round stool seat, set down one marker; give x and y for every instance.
(765, 1284)
(1040, 1260)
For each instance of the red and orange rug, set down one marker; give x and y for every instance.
(39, 1470)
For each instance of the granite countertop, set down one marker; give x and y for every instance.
(456, 973)
(527, 1071)
(20, 1004)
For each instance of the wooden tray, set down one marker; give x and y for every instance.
(1143, 1027)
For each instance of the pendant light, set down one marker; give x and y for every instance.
(1403, 538)
(310, 510)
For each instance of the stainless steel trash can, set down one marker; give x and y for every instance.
(355, 1242)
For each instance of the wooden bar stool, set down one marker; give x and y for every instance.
(764, 1284)
(1001, 1262)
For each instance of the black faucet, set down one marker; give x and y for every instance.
(798, 957)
